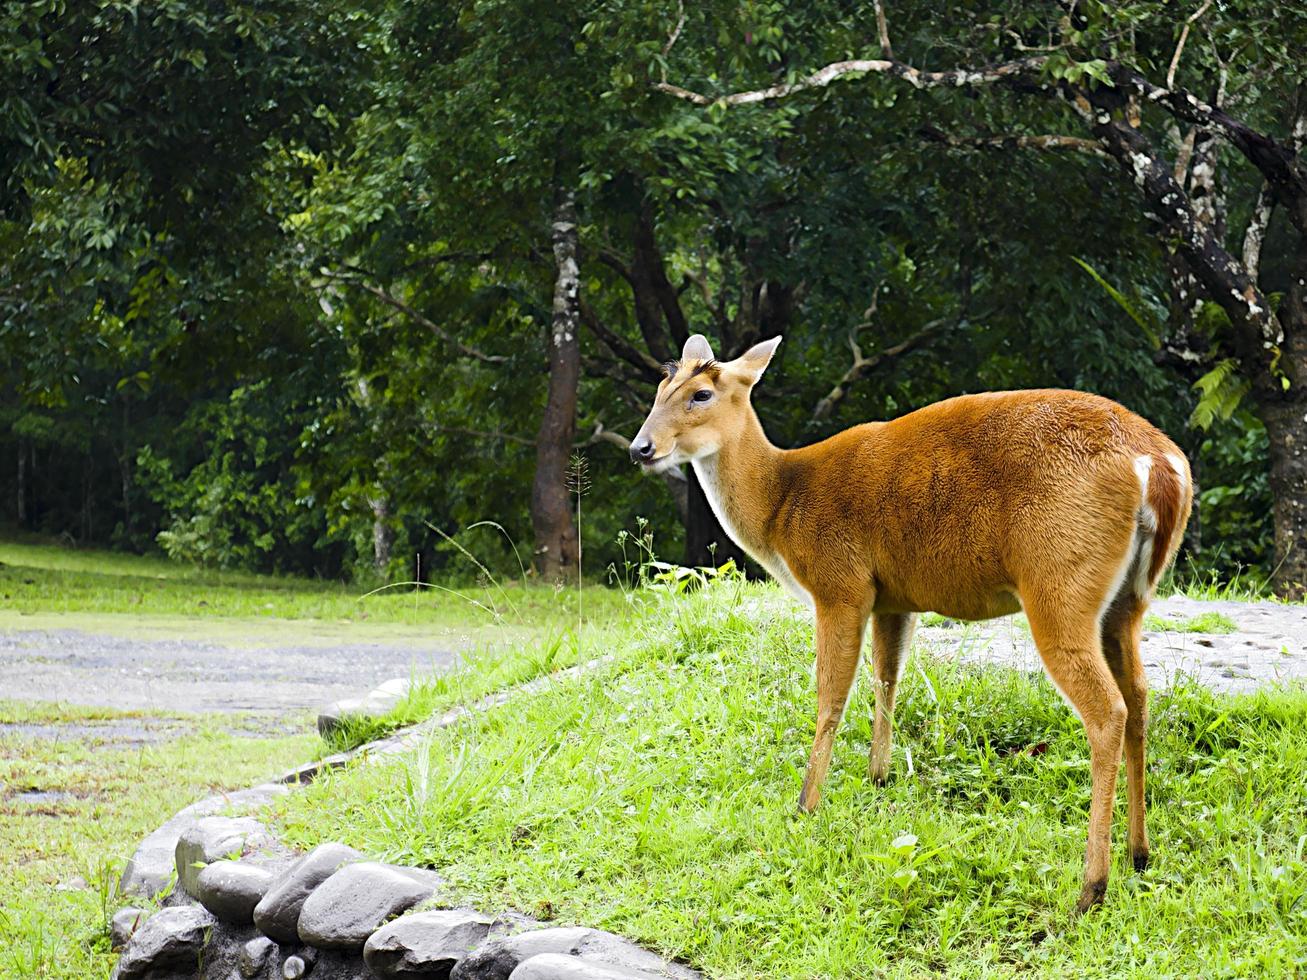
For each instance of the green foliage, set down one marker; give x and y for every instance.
(1148, 321)
(274, 280)
(1220, 392)
(237, 507)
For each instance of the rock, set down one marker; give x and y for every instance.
(425, 945)
(353, 903)
(498, 958)
(124, 923)
(254, 956)
(375, 704)
(171, 939)
(555, 966)
(278, 912)
(294, 968)
(213, 839)
(151, 868)
(231, 889)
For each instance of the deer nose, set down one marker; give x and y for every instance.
(642, 450)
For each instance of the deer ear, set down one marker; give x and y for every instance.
(753, 362)
(697, 349)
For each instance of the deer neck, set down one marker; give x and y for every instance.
(741, 482)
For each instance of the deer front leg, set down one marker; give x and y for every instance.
(839, 641)
(890, 635)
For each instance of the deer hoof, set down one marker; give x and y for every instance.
(1092, 894)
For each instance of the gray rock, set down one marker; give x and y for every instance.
(556, 966)
(213, 839)
(498, 958)
(231, 889)
(353, 903)
(278, 912)
(294, 968)
(425, 945)
(254, 956)
(124, 923)
(151, 868)
(171, 939)
(375, 704)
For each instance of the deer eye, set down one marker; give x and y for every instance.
(702, 395)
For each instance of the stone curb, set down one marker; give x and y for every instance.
(247, 910)
(149, 871)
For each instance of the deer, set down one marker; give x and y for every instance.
(1061, 504)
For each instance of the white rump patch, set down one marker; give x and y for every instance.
(1145, 562)
(1146, 535)
(1143, 470)
(1177, 464)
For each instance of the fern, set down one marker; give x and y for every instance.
(1146, 320)
(1219, 392)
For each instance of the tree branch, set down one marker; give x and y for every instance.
(1015, 141)
(882, 30)
(1276, 160)
(862, 366)
(955, 78)
(649, 368)
(1255, 234)
(676, 31)
(1184, 36)
(395, 303)
(1257, 330)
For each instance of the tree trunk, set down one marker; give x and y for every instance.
(22, 484)
(1283, 410)
(1286, 430)
(706, 544)
(556, 546)
(383, 537)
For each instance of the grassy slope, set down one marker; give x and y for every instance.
(657, 799)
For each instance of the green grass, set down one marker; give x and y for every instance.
(656, 797)
(491, 670)
(1208, 622)
(45, 580)
(109, 796)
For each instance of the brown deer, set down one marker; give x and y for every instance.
(1059, 503)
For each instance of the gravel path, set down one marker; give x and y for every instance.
(1269, 646)
(182, 675)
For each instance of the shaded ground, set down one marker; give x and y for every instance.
(185, 675)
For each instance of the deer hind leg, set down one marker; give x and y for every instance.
(1068, 640)
(890, 635)
(1122, 626)
(839, 643)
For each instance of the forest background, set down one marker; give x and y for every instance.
(316, 288)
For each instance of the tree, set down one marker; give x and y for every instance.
(557, 547)
(1094, 70)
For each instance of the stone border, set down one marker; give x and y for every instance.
(149, 870)
(245, 906)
